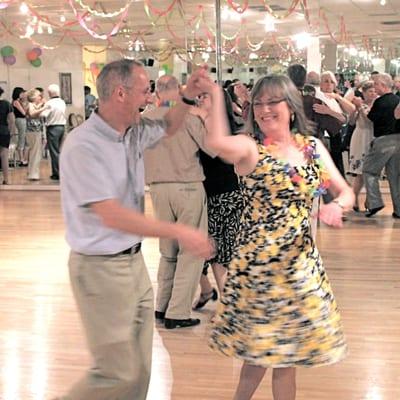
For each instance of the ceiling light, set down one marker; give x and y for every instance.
(302, 40)
(40, 29)
(205, 56)
(49, 30)
(253, 56)
(235, 16)
(225, 13)
(62, 18)
(23, 8)
(382, 2)
(29, 31)
(353, 51)
(269, 24)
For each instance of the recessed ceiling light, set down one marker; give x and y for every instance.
(23, 8)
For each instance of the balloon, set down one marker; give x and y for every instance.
(166, 69)
(31, 55)
(37, 51)
(36, 63)
(9, 60)
(7, 51)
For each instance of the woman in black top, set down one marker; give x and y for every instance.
(19, 104)
(224, 206)
(7, 122)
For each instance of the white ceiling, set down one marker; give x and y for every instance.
(364, 23)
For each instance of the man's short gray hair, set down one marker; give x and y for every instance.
(166, 83)
(54, 90)
(385, 79)
(113, 74)
(313, 78)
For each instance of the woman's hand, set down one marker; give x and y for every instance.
(357, 101)
(321, 109)
(331, 214)
(194, 86)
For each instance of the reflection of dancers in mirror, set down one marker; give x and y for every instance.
(277, 309)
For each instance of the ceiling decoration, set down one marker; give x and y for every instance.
(253, 31)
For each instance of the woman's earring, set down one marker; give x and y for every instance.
(292, 117)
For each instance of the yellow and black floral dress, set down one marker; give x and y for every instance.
(277, 309)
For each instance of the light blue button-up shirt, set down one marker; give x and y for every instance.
(96, 164)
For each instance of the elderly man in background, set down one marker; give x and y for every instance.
(55, 127)
(385, 148)
(175, 176)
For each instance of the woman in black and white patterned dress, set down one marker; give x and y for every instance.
(224, 206)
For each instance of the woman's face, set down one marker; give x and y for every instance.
(271, 113)
(22, 96)
(370, 94)
(37, 99)
(240, 90)
(327, 85)
(204, 101)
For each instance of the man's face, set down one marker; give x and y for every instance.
(140, 94)
(135, 95)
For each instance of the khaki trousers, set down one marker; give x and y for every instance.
(115, 300)
(34, 141)
(178, 272)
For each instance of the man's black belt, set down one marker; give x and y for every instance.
(132, 250)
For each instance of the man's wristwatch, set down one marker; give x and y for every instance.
(189, 102)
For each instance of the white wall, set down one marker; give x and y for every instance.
(63, 59)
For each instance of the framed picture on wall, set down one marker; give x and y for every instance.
(66, 87)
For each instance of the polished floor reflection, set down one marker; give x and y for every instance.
(42, 349)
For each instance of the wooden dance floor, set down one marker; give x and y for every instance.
(42, 349)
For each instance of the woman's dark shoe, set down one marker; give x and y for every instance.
(396, 216)
(205, 298)
(356, 208)
(180, 323)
